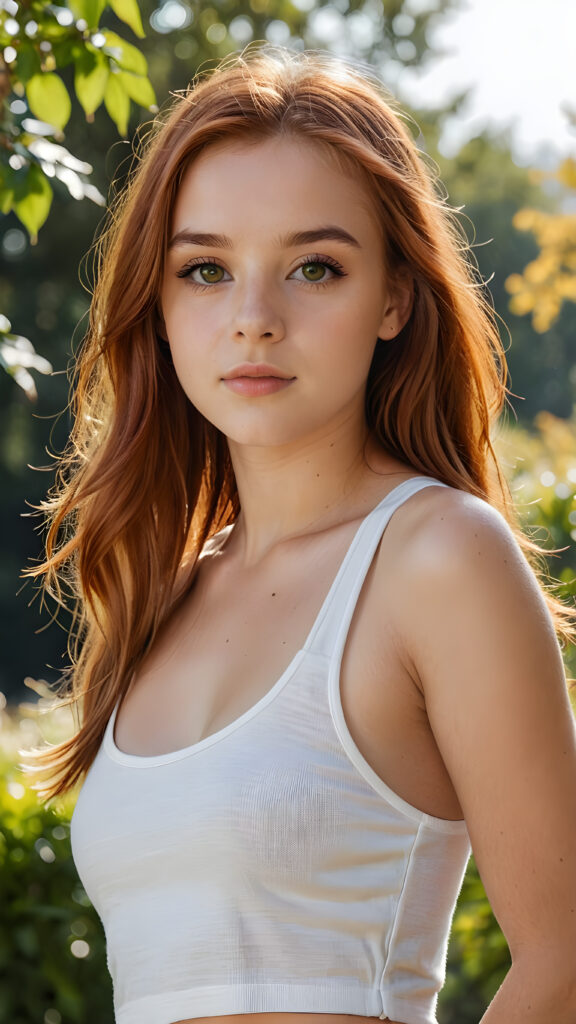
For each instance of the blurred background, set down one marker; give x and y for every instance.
(490, 89)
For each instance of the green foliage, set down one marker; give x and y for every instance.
(89, 11)
(136, 87)
(52, 952)
(549, 280)
(117, 103)
(91, 73)
(32, 198)
(543, 482)
(124, 55)
(128, 11)
(38, 41)
(483, 179)
(49, 99)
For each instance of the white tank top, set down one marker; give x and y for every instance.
(268, 867)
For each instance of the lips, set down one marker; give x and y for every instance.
(255, 380)
(255, 370)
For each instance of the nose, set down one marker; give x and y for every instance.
(257, 317)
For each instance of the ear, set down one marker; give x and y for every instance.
(398, 308)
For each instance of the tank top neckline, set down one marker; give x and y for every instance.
(152, 760)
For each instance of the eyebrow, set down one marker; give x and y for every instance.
(331, 233)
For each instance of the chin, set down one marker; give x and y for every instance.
(267, 434)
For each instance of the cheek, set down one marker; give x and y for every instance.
(189, 355)
(192, 365)
(178, 318)
(187, 331)
(348, 343)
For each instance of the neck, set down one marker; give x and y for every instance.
(294, 489)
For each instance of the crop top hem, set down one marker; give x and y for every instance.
(222, 1000)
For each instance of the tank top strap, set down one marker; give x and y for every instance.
(331, 627)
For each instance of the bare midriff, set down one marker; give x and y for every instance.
(285, 1018)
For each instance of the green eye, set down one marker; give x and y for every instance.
(203, 272)
(210, 272)
(313, 271)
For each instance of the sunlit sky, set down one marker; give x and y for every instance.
(519, 57)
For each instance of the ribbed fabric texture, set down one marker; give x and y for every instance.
(267, 867)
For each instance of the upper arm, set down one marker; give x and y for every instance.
(479, 635)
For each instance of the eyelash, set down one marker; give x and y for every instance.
(324, 261)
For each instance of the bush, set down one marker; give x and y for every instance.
(52, 953)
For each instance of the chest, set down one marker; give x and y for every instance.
(236, 637)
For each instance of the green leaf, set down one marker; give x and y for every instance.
(6, 199)
(128, 11)
(49, 29)
(117, 103)
(65, 52)
(90, 10)
(8, 181)
(138, 88)
(27, 62)
(33, 200)
(127, 57)
(48, 99)
(90, 79)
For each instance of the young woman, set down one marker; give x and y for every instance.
(315, 659)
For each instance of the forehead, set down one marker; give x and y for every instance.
(277, 176)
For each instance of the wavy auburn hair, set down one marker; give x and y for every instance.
(145, 479)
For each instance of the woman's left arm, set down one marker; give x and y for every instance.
(482, 643)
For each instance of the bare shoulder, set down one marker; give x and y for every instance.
(452, 535)
(461, 579)
(447, 521)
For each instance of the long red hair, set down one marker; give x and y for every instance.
(145, 479)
